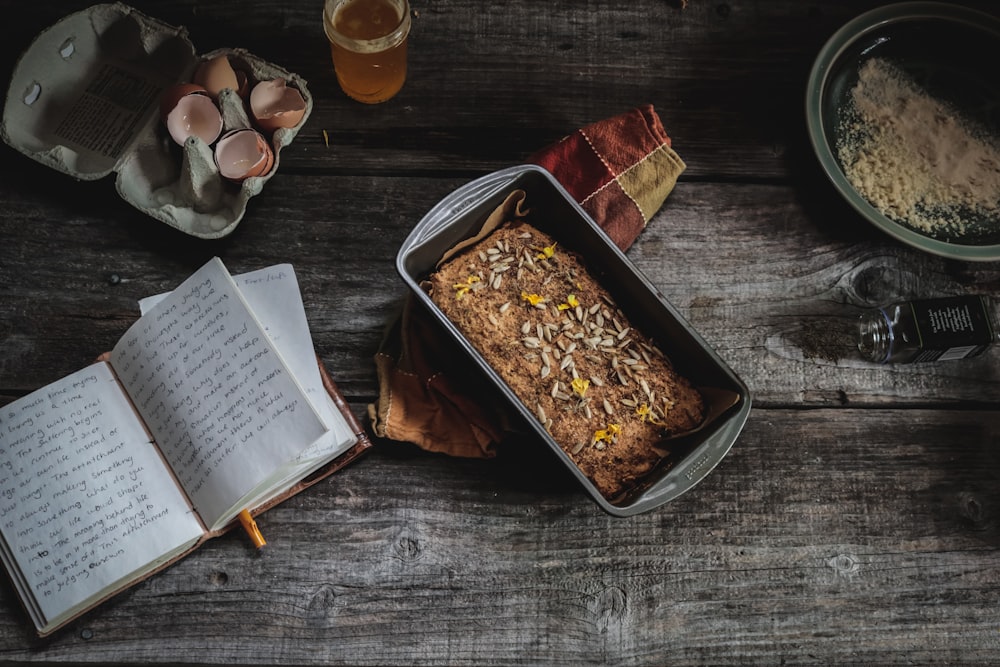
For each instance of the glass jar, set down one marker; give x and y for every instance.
(368, 45)
(941, 329)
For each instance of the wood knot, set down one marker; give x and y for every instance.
(971, 508)
(844, 565)
(880, 280)
(218, 578)
(610, 607)
(322, 600)
(408, 548)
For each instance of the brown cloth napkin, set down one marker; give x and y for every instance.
(620, 170)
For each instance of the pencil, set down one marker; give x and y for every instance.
(250, 526)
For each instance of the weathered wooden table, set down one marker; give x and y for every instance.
(855, 520)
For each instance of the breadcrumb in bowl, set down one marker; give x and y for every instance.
(903, 111)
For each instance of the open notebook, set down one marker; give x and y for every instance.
(211, 403)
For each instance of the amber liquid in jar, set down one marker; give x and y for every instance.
(368, 46)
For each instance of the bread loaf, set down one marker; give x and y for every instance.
(603, 390)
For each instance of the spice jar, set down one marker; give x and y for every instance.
(941, 329)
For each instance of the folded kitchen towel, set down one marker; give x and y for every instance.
(620, 170)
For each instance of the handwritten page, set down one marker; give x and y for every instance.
(224, 407)
(274, 296)
(85, 499)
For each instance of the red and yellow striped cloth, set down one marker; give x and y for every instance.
(620, 170)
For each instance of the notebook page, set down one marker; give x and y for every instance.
(216, 395)
(86, 499)
(273, 294)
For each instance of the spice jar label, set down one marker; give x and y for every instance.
(951, 328)
(940, 329)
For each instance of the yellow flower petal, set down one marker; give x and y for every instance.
(608, 434)
(547, 251)
(646, 414)
(533, 299)
(463, 288)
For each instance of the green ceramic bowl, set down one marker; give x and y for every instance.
(953, 53)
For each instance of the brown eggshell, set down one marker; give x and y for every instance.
(216, 75)
(243, 153)
(170, 96)
(274, 104)
(243, 81)
(194, 114)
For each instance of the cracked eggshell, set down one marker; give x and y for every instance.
(260, 70)
(170, 96)
(243, 83)
(243, 153)
(177, 185)
(194, 115)
(216, 74)
(274, 105)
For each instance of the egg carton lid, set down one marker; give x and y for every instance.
(84, 100)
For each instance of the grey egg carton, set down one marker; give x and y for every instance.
(84, 100)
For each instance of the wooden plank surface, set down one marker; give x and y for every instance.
(855, 520)
(786, 550)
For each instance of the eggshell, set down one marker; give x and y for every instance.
(243, 81)
(274, 104)
(194, 114)
(170, 96)
(243, 153)
(215, 75)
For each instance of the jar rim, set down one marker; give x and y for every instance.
(876, 334)
(375, 45)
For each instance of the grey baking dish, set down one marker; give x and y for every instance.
(461, 214)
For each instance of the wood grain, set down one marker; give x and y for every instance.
(854, 521)
(814, 530)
